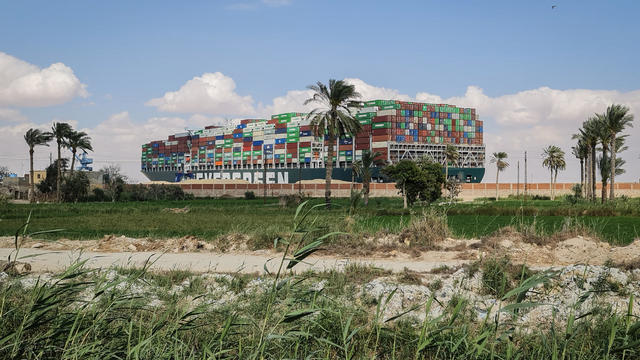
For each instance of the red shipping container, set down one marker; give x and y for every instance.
(378, 138)
(228, 136)
(305, 144)
(257, 147)
(381, 132)
(305, 128)
(292, 145)
(281, 126)
(280, 146)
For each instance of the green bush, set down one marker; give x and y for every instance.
(249, 195)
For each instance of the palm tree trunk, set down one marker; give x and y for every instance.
(593, 173)
(59, 175)
(446, 172)
(31, 180)
(582, 176)
(603, 194)
(551, 183)
(555, 181)
(404, 195)
(497, 182)
(73, 160)
(612, 194)
(365, 188)
(329, 172)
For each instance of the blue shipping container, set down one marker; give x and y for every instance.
(258, 142)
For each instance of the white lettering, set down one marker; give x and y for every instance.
(199, 176)
(283, 177)
(271, 177)
(236, 175)
(246, 176)
(258, 178)
(226, 176)
(217, 175)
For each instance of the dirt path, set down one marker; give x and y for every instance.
(47, 260)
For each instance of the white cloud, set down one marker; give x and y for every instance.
(11, 115)
(533, 119)
(211, 93)
(24, 84)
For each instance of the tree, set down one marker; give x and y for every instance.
(616, 119)
(417, 180)
(78, 140)
(33, 138)
(604, 162)
(603, 136)
(553, 159)
(332, 119)
(363, 168)
(48, 185)
(498, 158)
(60, 132)
(4, 172)
(588, 135)
(113, 180)
(581, 152)
(451, 156)
(75, 187)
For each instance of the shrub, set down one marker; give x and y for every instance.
(426, 231)
(249, 195)
(75, 187)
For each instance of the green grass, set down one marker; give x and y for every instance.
(618, 223)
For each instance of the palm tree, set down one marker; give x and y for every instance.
(554, 160)
(33, 138)
(363, 168)
(581, 152)
(616, 119)
(499, 159)
(60, 132)
(588, 136)
(78, 140)
(451, 155)
(332, 119)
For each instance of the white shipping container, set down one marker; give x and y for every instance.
(369, 109)
(269, 141)
(455, 116)
(380, 144)
(280, 151)
(358, 152)
(386, 112)
(306, 138)
(428, 126)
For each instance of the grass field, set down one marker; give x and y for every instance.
(618, 223)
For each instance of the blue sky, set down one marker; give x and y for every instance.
(129, 52)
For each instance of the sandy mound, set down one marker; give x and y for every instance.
(576, 250)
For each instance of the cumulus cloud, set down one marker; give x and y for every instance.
(211, 93)
(11, 115)
(276, 3)
(24, 84)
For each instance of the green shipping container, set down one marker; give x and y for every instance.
(365, 121)
(381, 125)
(257, 152)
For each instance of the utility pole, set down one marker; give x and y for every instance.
(518, 183)
(525, 175)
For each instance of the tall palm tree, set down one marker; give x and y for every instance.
(581, 152)
(363, 168)
(33, 138)
(588, 136)
(60, 132)
(499, 159)
(548, 161)
(332, 119)
(616, 119)
(451, 155)
(78, 140)
(603, 138)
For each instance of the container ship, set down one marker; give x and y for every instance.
(283, 149)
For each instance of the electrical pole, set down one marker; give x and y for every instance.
(525, 175)
(518, 183)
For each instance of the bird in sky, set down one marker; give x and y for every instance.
(553, 6)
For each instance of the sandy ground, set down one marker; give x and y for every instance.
(200, 256)
(254, 262)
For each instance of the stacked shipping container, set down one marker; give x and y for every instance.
(288, 139)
